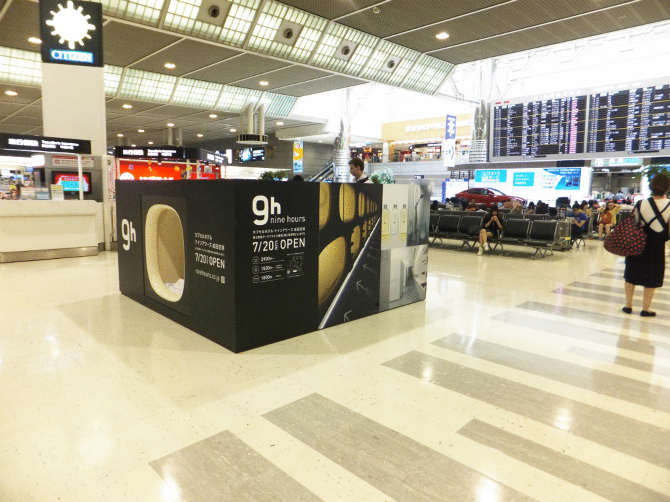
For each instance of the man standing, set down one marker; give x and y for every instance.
(356, 167)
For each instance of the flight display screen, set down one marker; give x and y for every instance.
(540, 128)
(631, 120)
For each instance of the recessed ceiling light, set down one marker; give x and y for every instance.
(376, 10)
(200, 135)
(320, 141)
(11, 93)
(233, 130)
(263, 82)
(442, 36)
(213, 115)
(120, 135)
(170, 124)
(34, 40)
(127, 106)
(151, 142)
(170, 65)
(280, 123)
(133, 146)
(140, 130)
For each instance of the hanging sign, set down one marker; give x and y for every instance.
(449, 150)
(71, 32)
(297, 156)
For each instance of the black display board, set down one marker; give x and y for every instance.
(42, 144)
(71, 32)
(539, 128)
(630, 121)
(264, 261)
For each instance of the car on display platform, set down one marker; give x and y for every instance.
(487, 196)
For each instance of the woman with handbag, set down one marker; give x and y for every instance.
(607, 218)
(647, 269)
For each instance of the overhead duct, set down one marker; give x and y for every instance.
(252, 137)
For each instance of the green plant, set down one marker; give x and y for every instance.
(273, 175)
(654, 169)
(384, 176)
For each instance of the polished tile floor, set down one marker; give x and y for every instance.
(516, 380)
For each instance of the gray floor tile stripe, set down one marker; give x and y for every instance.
(624, 434)
(617, 289)
(624, 321)
(591, 478)
(577, 332)
(619, 360)
(223, 467)
(608, 276)
(620, 270)
(615, 300)
(398, 466)
(601, 382)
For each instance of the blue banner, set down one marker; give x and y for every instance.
(523, 179)
(567, 178)
(450, 130)
(491, 175)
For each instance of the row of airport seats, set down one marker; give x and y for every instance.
(541, 234)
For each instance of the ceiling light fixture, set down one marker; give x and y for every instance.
(280, 123)
(213, 115)
(11, 93)
(233, 130)
(170, 66)
(127, 106)
(263, 82)
(200, 135)
(150, 142)
(120, 135)
(170, 124)
(140, 130)
(442, 36)
(376, 10)
(133, 145)
(34, 40)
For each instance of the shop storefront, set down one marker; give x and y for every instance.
(422, 140)
(368, 152)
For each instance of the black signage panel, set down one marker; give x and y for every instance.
(277, 241)
(143, 152)
(71, 32)
(41, 144)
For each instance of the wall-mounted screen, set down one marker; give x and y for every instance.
(631, 120)
(70, 181)
(539, 128)
(251, 154)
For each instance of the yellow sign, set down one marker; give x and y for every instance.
(434, 127)
(297, 156)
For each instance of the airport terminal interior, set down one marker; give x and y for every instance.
(517, 379)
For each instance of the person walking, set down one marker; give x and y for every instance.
(647, 269)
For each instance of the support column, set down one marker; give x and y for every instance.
(73, 106)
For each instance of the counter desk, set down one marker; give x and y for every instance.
(45, 229)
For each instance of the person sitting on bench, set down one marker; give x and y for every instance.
(578, 224)
(491, 225)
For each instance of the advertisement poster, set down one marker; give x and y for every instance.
(149, 170)
(298, 153)
(567, 178)
(523, 179)
(277, 249)
(57, 192)
(491, 175)
(449, 149)
(349, 251)
(404, 256)
(70, 161)
(70, 181)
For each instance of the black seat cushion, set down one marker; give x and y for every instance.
(448, 224)
(542, 233)
(470, 225)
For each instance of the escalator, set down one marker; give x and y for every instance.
(326, 174)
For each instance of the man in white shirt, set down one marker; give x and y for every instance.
(356, 167)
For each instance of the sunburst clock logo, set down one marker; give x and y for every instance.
(70, 24)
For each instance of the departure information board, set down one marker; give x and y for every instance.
(632, 120)
(540, 128)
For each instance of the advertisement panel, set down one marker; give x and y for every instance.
(449, 150)
(297, 156)
(567, 178)
(149, 170)
(523, 179)
(491, 175)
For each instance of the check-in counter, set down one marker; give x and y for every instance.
(45, 229)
